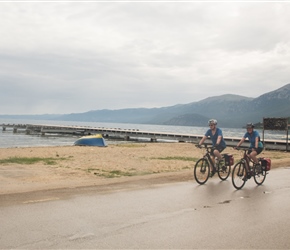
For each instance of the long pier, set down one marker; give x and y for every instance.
(127, 134)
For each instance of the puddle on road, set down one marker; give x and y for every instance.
(225, 202)
(245, 197)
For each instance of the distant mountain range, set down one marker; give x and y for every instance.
(230, 110)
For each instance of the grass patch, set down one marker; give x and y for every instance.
(30, 160)
(68, 167)
(131, 172)
(178, 158)
(115, 173)
(118, 173)
(93, 169)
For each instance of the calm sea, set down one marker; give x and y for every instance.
(8, 139)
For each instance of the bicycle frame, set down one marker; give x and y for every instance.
(208, 155)
(246, 158)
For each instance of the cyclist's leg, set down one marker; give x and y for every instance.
(257, 163)
(248, 160)
(253, 156)
(217, 152)
(212, 156)
(212, 166)
(248, 173)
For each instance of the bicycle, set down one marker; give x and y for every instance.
(241, 173)
(202, 166)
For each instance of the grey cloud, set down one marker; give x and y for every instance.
(75, 57)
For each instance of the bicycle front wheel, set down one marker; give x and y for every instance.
(238, 174)
(223, 171)
(260, 175)
(201, 171)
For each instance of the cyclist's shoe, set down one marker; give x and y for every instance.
(212, 173)
(258, 169)
(223, 169)
(221, 165)
(240, 174)
(247, 177)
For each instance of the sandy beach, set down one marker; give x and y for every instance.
(76, 166)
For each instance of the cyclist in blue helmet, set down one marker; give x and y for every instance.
(218, 142)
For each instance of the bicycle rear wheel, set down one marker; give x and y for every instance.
(260, 174)
(201, 171)
(223, 171)
(238, 174)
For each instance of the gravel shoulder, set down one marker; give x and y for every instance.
(130, 165)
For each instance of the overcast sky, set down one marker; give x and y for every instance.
(70, 57)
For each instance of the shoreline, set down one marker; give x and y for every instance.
(36, 134)
(76, 166)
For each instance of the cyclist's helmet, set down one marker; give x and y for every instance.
(212, 121)
(250, 125)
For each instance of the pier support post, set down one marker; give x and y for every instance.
(14, 130)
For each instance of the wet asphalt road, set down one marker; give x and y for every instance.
(167, 216)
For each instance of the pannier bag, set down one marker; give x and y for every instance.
(266, 164)
(229, 159)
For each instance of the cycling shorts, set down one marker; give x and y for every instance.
(218, 148)
(258, 150)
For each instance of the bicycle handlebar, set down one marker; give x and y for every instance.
(245, 155)
(206, 146)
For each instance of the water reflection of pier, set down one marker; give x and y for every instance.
(125, 134)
